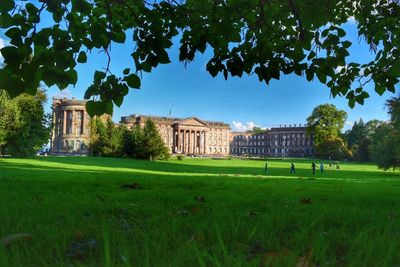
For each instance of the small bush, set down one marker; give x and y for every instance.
(179, 157)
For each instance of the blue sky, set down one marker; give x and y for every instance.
(242, 102)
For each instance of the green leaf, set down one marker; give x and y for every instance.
(96, 108)
(82, 58)
(351, 103)
(321, 76)
(32, 9)
(6, 21)
(119, 37)
(311, 55)
(11, 54)
(379, 88)
(91, 91)
(133, 81)
(126, 71)
(6, 5)
(346, 44)
(99, 76)
(309, 75)
(73, 76)
(118, 100)
(341, 32)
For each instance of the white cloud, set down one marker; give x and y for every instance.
(242, 127)
(349, 123)
(63, 94)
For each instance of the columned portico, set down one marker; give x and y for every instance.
(190, 137)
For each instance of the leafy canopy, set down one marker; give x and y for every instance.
(268, 38)
(24, 126)
(325, 124)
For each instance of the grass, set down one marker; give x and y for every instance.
(79, 215)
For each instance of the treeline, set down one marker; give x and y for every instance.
(111, 140)
(377, 141)
(24, 126)
(373, 141)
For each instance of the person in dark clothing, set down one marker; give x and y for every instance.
(313, 166)
(266, 168)
(292, 168)
(321, 167)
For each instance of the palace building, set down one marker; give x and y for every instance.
(190, 136)
(287, 141)
(71, 127)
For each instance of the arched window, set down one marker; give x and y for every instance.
(72, 145)
(78, 145)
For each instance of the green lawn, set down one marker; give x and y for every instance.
(79, 215)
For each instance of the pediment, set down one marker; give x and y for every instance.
(192, 122)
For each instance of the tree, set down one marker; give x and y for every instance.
(357, 133)
(269, 38)
(385, 146)
(24, 126)
(153, 145)
(325, 120)
(114, 139)
(332, 147)
(256, 130)
(359, 139)
(98, 137)
(133, 143)
(9, 120)
(325, 124)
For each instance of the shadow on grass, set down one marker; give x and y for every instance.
(115, 166)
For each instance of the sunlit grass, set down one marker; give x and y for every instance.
(352, 218)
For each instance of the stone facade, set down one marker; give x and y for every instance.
(190, 136)
(276, 142)
(71, 127)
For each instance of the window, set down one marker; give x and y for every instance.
(69, 122)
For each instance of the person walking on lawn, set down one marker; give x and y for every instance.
(313, 166)
(292, 168)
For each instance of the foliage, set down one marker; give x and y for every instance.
(153, 145)
(138, 142)
(256, 130)
(106, 139)
(357, 133)
(24, 126)
(325, 124)
(332, 147)
(133, 143)
(359, 139)
(179, 157)
(385, 146)
(98, 137)
(361, 152)
(269, 38)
